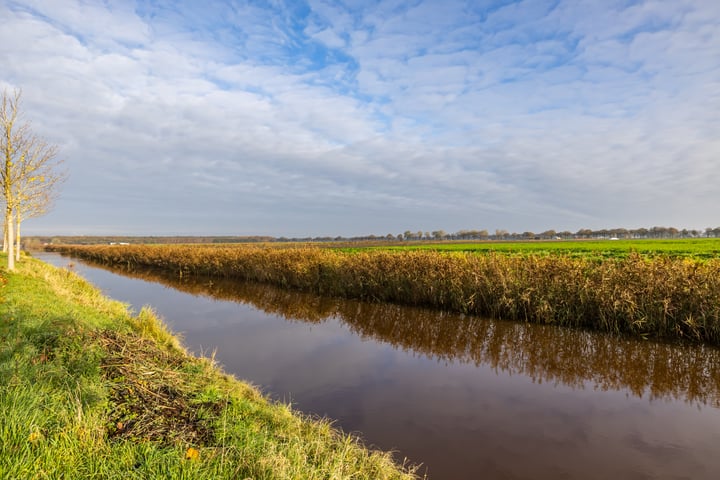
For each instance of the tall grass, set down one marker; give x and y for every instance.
(658, 296)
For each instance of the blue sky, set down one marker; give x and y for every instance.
(353, 117)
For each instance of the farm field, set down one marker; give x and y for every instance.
(688, 248)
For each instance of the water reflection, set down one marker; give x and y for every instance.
(578, 359)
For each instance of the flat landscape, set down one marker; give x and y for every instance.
(417, 239)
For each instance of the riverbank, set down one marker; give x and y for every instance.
(658, 296)
(89, 390)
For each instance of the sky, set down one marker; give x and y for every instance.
(353, 117)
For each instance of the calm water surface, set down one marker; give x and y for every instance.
(466, 397)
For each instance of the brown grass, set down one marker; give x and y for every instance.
(149, 394)
(648, 296)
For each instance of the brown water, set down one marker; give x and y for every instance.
(464, 396)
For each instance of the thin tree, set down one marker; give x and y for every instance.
(27, 178)
(11, 144)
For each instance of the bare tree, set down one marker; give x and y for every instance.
(28, 177)
(38, 185)
(11, 146)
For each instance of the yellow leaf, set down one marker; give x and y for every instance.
(192, 454)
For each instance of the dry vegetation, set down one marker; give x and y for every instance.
(657, 296)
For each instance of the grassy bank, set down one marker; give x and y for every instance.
(89, 391)
(649, 296)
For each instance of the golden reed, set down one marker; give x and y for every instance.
(655, 296)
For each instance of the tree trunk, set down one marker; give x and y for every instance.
(10, 234)
(5, 236)
(17, 245)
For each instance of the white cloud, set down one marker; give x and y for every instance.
(371, 117)
(114, 24)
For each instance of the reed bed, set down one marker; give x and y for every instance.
(648, 296)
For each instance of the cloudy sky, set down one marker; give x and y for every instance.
(349, 117)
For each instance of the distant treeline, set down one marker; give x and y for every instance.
(583, 233)
(109, 239)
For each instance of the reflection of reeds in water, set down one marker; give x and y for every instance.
(576, 358)
(647, 296)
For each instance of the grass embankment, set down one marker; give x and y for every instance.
(650, 296)
(89, 391)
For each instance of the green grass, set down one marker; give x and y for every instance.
(686, 248)
(89, 391)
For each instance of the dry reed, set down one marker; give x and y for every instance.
(648, 296)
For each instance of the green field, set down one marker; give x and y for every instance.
(689, 248)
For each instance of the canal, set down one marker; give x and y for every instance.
(466, 397)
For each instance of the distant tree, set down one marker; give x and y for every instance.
(603, 233)
(408, 235)
(658, 232)
(619, 233)
(642, 232)
(584, 233)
